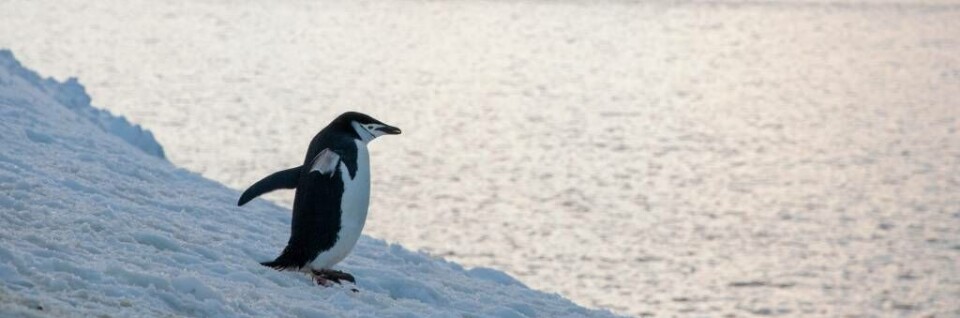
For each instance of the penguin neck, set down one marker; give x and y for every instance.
(356, 193)
(363, 157)
(362, 142)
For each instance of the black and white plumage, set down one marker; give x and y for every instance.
(333, 194)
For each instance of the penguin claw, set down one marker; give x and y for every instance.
(326, 277)
(322, 281)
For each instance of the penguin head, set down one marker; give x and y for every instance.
(364, 127)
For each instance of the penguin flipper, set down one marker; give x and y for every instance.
(286, 179)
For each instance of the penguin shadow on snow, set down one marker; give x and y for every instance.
(332, 197)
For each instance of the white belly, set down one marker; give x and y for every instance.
(356, 200)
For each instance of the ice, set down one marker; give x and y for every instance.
(95, 222)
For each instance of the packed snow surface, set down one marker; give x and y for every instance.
(93, 222)
(655, 157)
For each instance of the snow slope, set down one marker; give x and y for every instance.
(93, 221)
(73, 96)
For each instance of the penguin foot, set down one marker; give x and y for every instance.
(322, 281)
(326, 277)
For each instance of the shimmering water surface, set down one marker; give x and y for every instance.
(722, 158)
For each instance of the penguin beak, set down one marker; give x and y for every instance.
(389, 130)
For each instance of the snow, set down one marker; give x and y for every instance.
(95, 222)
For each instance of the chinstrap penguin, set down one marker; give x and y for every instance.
(333, 194)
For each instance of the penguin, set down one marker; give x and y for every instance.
(332, 197)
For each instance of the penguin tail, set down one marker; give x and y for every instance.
(289, 259)
(300, 251)
(280, 265)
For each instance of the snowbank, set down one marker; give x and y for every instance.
(74, 97)
(93, 224)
